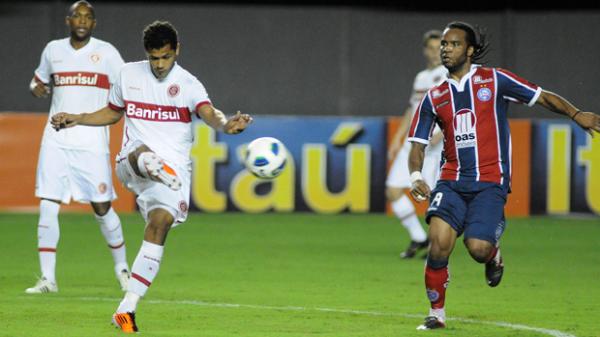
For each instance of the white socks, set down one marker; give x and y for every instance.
(405, 211)
(144, 270)
(439, 313)
(110, 225)
(48, 234)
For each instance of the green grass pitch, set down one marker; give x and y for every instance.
(286, 275)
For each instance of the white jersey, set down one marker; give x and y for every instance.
(157, 112)
(424, 81)
(81, 80)
(398, 175)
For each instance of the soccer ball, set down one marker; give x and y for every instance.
(266, 157)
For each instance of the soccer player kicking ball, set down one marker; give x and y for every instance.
(471, 109)
(158, 98)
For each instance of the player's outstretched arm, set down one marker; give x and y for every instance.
(217, 120)
(102, 117)
(588, 121)
(420, 190)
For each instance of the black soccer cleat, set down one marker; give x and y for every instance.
(494, 270)
(432, 322)
(413, 248)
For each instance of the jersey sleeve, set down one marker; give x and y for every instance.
(115, 96)
(114, 62)
(44, 71)
(197, 95)
(423, 122)
(514, 88)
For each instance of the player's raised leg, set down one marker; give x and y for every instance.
(48, 235)
(148, 164)
(485, 226)
(110, 226)
(145, 267)
(484, 252)
(442, 237)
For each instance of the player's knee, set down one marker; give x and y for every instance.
(157, 228)
(479, 250)
(101, 208)
(403, 207)
(393, 193)
(438, 251)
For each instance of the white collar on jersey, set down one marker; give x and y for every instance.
(87, 46)
(460, 86)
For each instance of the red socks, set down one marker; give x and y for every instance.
(436, 281)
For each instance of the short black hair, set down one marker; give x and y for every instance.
(431, 34)
(158, 34)
(79, 3)
(476, 37)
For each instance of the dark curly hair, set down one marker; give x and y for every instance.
(476, 37)
(158, 34)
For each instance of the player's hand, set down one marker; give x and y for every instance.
(40, 90)
(237, 123)
(64, 120)
(420, 191)
(588, 121)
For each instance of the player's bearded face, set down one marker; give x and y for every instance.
(162, 60)
(81, 22)
(454, 49)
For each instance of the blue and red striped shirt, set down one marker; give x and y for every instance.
(473, 116)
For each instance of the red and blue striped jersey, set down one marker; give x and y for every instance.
(472, 114)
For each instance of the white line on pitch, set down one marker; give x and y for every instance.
(549, 332)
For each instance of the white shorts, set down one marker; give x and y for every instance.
(63, 174)
(152, 194)
(399, 177)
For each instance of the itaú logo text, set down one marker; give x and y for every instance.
(153, 112)
(464, 128)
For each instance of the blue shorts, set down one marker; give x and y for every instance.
(473, 208)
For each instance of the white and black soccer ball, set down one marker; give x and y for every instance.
(266, 157)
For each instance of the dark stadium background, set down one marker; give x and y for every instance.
(318, 57)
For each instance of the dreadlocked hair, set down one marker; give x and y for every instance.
(476, 37)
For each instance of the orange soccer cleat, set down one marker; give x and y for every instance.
(125, 321)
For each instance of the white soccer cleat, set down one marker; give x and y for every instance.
(157, 170)
(123, 278)
(42, 286)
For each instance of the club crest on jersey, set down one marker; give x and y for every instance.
(484, 94)
(464, 128)
(102, 188)
(173, 90)
(95, 58)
